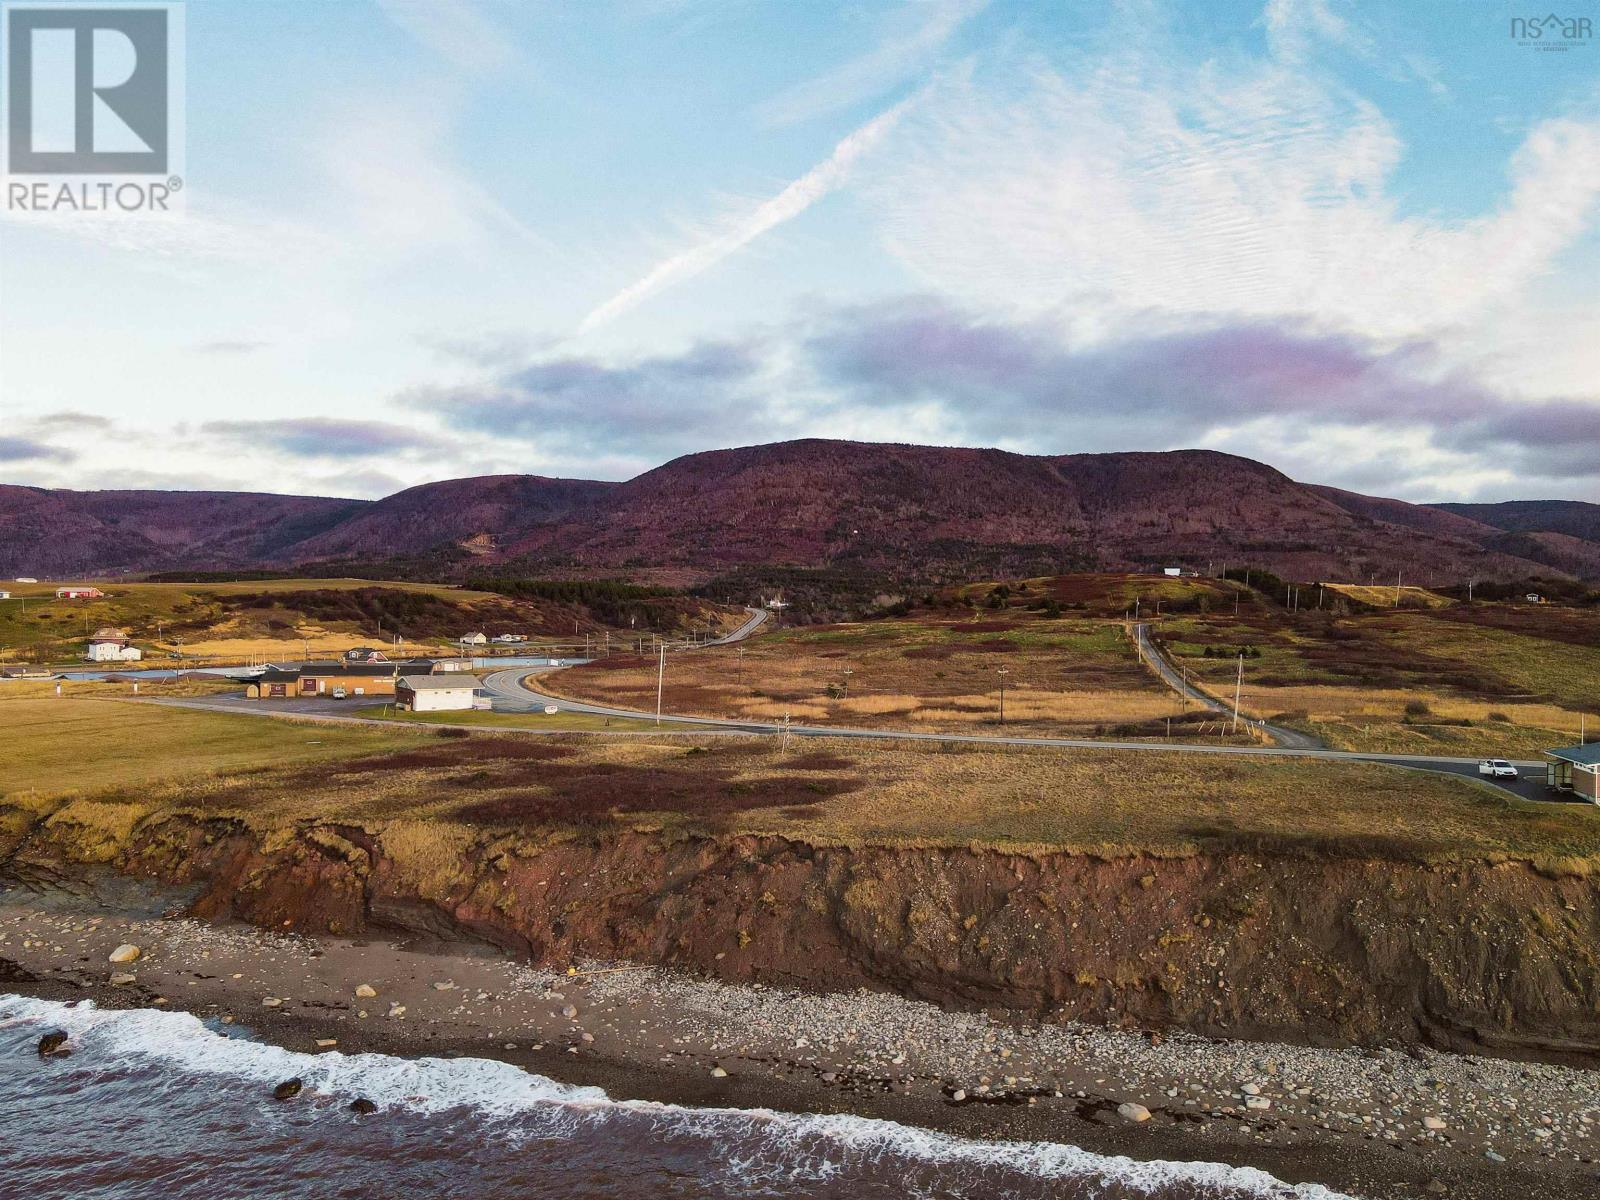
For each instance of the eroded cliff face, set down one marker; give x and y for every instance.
(1288, 947)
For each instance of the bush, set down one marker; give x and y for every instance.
(1417, 708)
(1500, 717)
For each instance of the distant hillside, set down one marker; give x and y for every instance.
(503, 507)
(910, 512)
(53, 533)
(1575, 518)
(921, 509)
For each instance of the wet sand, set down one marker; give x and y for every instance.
(1381, 1124)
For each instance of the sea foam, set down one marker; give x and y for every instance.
(760, 1141)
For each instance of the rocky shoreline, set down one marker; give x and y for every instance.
(1375, 1123)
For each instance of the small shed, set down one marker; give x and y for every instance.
(78, 593)
(474, 639)
(1575, 769)
(435, 693)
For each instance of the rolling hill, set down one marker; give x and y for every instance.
(902, 510)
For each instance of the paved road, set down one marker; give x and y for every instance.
(1175, 679)
(758, 618)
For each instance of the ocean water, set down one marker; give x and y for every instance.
(160, 1104)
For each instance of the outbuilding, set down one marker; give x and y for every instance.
(435, 693)
(1575, 769)
(78, 593)
(474, 639)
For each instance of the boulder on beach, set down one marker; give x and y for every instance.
(1129, 1111)
(287, 1090)
(362, 1105)
(53, 1043)
(366, 991)
(125, 953)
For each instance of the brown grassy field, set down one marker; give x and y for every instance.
(283, 618)
(1068, 676)
(1438, 677)
(1489, 679)
(131, 761)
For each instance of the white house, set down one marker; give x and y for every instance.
(4, 595)
(435, 693)
(474, 639)
(78, 592)
(111, 645)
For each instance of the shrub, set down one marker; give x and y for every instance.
(1417, 708)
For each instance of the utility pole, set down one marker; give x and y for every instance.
(844, 692)
(1397, 589)
(1003, 672)
(1238, 686)
(661, 678)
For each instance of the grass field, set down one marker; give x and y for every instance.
(86, 745)
(1378, 596)
(35, 625)
(82, 689)
(279, 618)
(130, 761)
(1490, 679)
(935, 672)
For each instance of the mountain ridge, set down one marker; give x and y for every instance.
(894, 508)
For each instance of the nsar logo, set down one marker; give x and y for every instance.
(1552, 32)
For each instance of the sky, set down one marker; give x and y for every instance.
(424, 239)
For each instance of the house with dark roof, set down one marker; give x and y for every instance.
(1575, 769)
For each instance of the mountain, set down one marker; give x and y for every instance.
(52, 533)
(920, 508)
(1575, 518)
(912, 511)
(503, 507)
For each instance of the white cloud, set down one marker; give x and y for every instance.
(745, 227)
(1132, 185)
(891, 62)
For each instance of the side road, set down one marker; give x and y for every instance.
(1175, 679)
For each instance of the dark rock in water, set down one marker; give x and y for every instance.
(287, 1090)
(362, 1105)
(52, 1043)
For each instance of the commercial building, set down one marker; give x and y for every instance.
(435, 693)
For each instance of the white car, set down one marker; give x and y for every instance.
(1497, 768)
